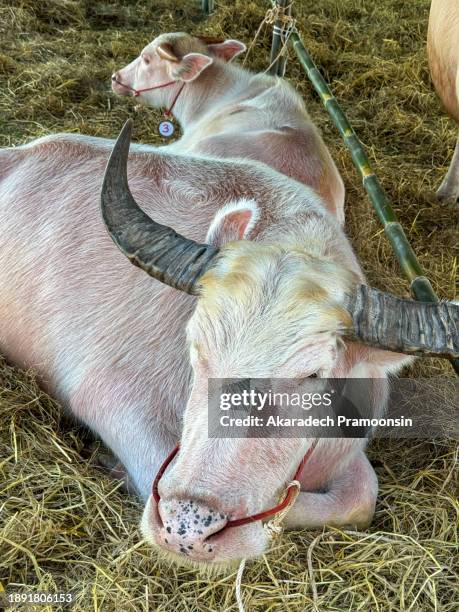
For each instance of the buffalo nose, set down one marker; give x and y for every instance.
(187, 527)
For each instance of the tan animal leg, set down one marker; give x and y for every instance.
(448, 191)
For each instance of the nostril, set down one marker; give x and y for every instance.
(114, 76)
(188, 527)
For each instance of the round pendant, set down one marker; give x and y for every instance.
(166, 128)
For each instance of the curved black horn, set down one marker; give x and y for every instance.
(157, 249)
(415, 328)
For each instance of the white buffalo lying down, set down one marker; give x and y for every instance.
(274, 291)
(227, 111)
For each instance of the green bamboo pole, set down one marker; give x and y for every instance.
(420, 285)
(277, 64)
(208, 6)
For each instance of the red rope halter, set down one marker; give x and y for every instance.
(137, 92)
(259, 516)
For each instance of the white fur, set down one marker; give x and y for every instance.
(110, 343)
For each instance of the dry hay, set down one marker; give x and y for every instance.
(64, 525)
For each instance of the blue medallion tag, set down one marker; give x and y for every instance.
(166, 128)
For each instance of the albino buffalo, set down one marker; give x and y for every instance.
(443, 52)
(269, 286)
(226, 111)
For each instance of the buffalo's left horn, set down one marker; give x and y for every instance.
(167, 256)
(407, 326)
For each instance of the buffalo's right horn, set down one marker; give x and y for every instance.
(167, 256)
(406, 326)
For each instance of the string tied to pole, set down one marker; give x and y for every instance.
(280, 14)
(283, 26)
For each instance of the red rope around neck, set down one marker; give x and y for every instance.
(259, 516)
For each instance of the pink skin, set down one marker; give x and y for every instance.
(110, 343)
(224, 482)
(227, 111)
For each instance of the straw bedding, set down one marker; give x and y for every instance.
(63, 524)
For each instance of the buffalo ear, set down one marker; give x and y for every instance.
(190, 66)
(392, 362)
(235, 221)
(227, 50)
(359, 355)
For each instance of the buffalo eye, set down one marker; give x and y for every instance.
(145, 58)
